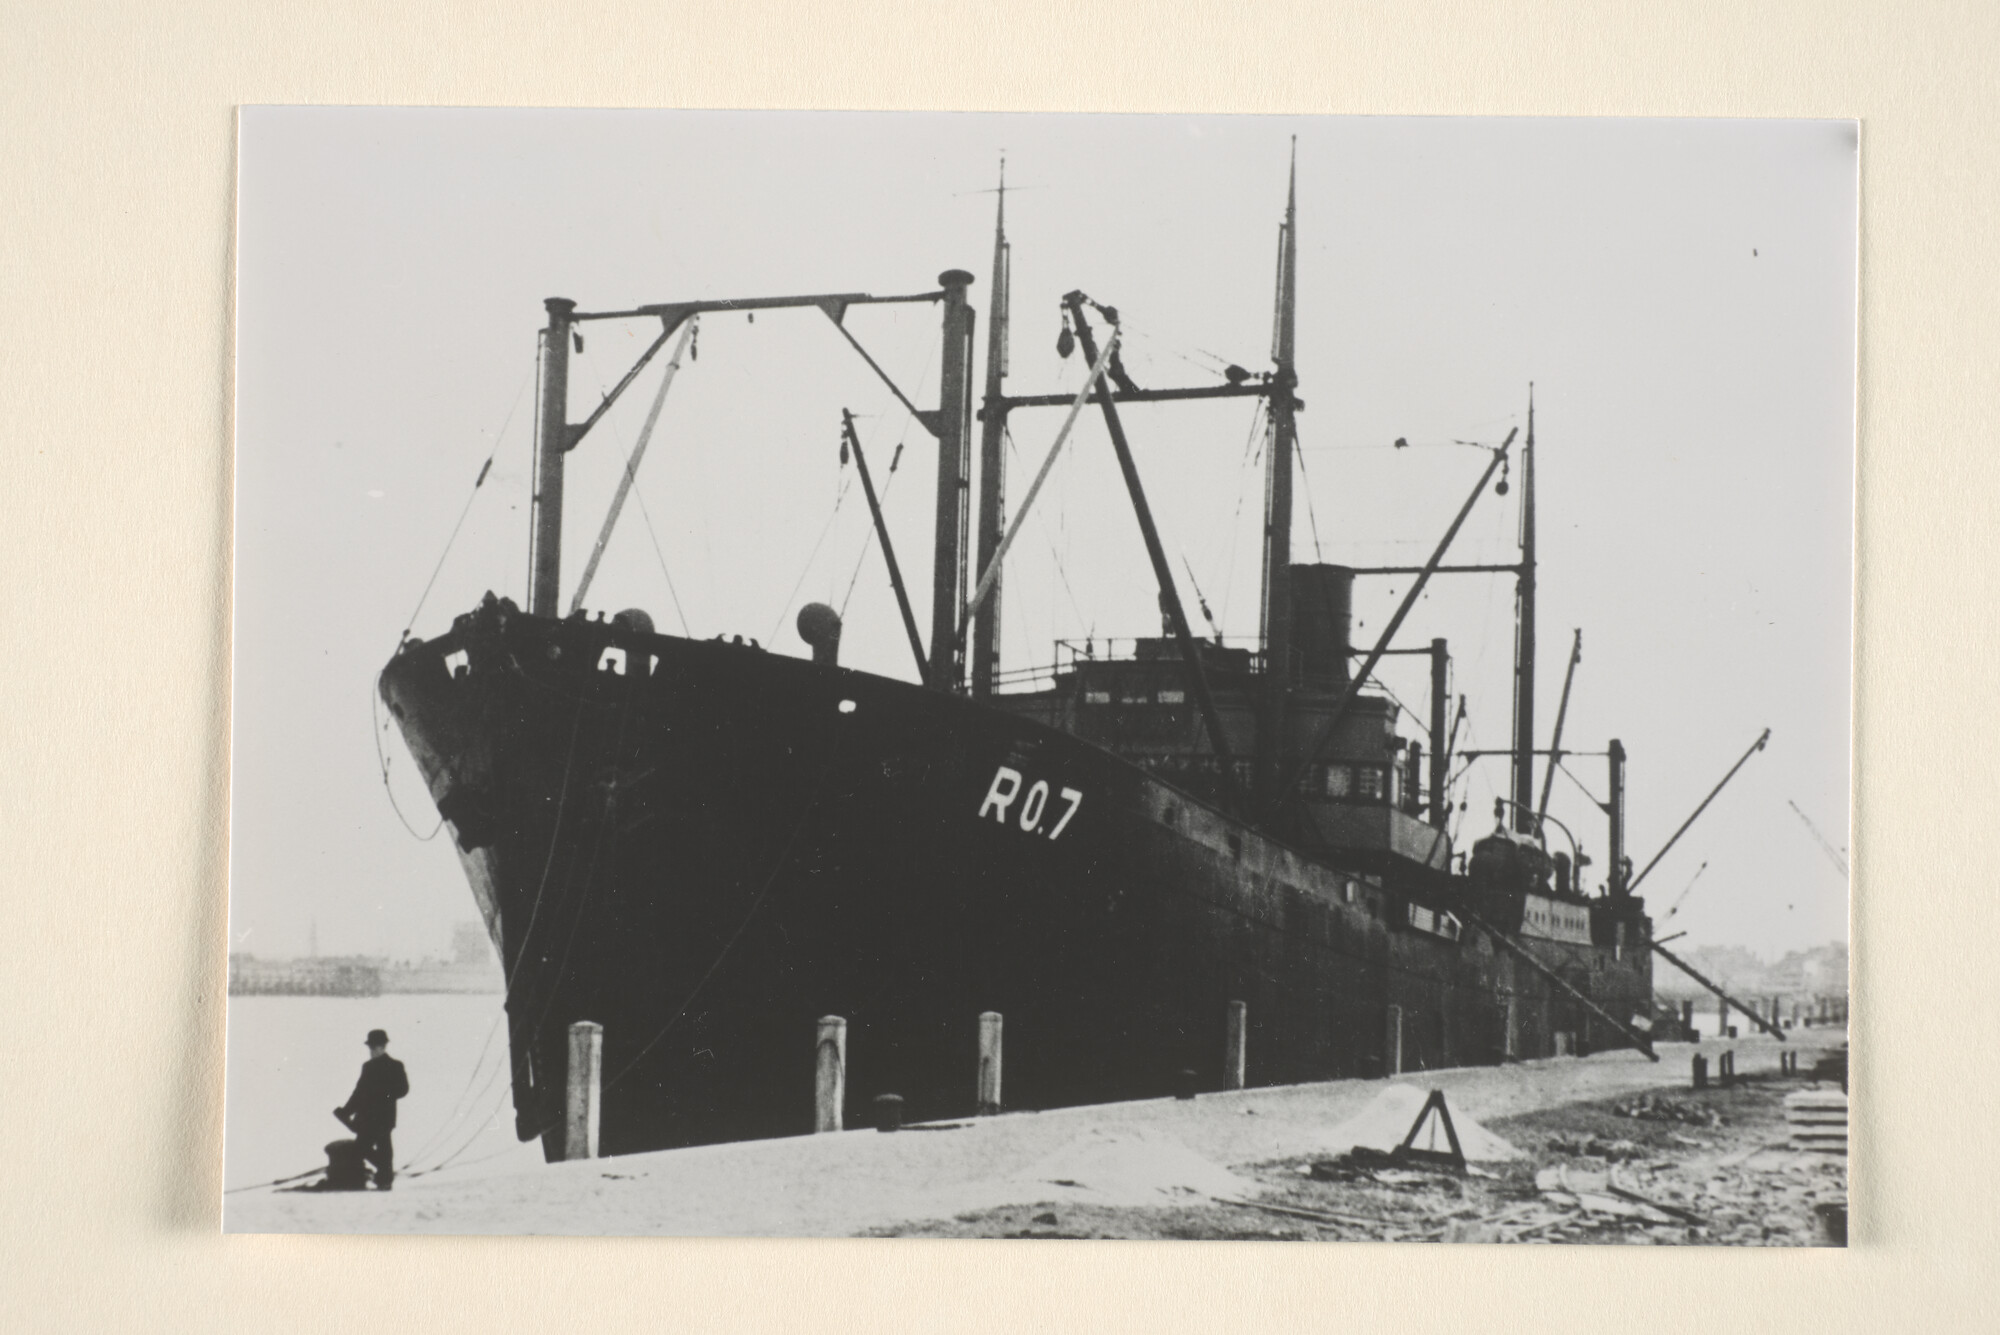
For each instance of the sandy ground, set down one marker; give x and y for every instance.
(1666, 1168)
(1145, 1169)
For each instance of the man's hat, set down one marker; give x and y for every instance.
(376, 1036)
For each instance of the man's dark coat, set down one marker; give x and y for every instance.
(372, 1105)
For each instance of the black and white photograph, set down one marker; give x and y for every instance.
(1073, 676)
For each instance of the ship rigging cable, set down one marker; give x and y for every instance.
(1579, 784)
(631, 472)
(1252, 450)
(839, 498)
(672, 592)
(895, 461)
(1055, 555)
(1013, 529)
(466, 509)
(868, 540)
(374, 700)
(1319, 553)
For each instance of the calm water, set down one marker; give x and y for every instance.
(292, 1060)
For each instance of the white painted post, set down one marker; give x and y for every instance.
(586, 1068)
(1395, 1041)
(1235, 1045)
(830, 1073)
(989, 1062)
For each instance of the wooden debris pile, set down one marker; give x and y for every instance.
(1667, 1108)
(1739, 1182)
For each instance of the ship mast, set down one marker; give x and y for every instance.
(954, 437)
(1524, 641)
(993, 458)
(551, 443)
(1277, 609)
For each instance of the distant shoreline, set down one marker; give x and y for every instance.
(359, 976)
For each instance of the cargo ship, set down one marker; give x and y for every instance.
(704, 846)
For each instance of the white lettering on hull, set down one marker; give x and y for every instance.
(1006, 788)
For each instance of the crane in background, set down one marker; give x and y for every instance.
(1833, 854)
(1684, 892)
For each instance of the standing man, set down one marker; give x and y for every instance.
(370, 1111)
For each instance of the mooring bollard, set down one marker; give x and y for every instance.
(1393, 1056)
(888, 1112)
(989, 1061)
(586, 1065)
(1235, 1044)
(830, 1073)
(1700, 1071)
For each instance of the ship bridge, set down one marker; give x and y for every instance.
(1360, 798)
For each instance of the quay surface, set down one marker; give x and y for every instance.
(851, 1182)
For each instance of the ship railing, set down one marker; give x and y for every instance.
(1025, 680)
(1126, 649)
(1236, 653)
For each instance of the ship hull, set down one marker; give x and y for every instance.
(705, 847)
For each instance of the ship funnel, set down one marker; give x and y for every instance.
(1322, 603)
(819, 626)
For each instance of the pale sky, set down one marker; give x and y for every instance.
(1681, 293)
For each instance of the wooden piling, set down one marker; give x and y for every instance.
(1700, 1071)
(989, 1062)
(582, 1106)
(888, 1112)
(1393, 1056)
(830, 1073)
(1235, 1045)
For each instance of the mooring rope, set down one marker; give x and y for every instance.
(276, 1181)
(382, 763)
